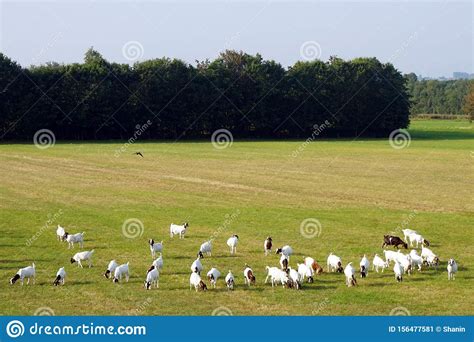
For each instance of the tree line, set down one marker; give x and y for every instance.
(437, 96)
(249, 96)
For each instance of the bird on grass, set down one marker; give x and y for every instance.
(139, 154)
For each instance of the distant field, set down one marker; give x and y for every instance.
(358, 190)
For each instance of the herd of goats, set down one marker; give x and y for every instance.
(283, 275)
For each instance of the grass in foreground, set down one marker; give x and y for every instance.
(357, 190)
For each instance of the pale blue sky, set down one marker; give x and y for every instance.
(428, 38)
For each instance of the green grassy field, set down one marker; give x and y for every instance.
(358, 190)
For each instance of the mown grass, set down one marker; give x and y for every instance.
(358, 190)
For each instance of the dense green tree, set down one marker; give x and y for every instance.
(243, 93)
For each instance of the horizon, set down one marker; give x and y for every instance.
(434, 41)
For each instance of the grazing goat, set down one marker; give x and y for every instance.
(60, 233)
(349, 272)
(294, 278)
(389, 240)
(196, 266)
(267, 245)
(390, 256)
(310, 262)
(379, 262)
(398, 270)
(229, 280)
(60, 277)
(405, 261)
(213, 275)
(429, 257)
(178, 230)
(249, 277)
(25, 272)
(206, 248)
(305, 272)
(418, 239)
(158, 263)
(74, 238)
(284, 262)
(285, 250)
(83, 256)
(110, 268)
(152, 277)
(416, 260)
(364, 267)
(155, 247)
(452, 268)
(196, 281)
(121, 271)
(334, 263)
(276, 276)
(407, 232)
(232, 243)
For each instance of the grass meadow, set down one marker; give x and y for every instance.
(358, 191)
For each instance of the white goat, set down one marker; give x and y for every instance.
(155, 247)
(428, 256)
(416, 260)
(60, 277)
(196, 281)
(305, 272)
(418, 239)
(213, 275)
(378, 262)
(349, 272)
(398, 270)
(276, 276)
(390, 256)
(83, 256)
(180, 230)
(310, 262)
(405, 261)
(229, 280)
(294, 278)
(110, 268)
(364, 266)
(25, 272)
(158, 263)
(452, 269)
(121, 271)
(334, 263)
(206, 248)
(74, 238)
(196, 266)
(152, 277)
(60, 232)
(285, 250)
(232, 243)
(407, 232)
